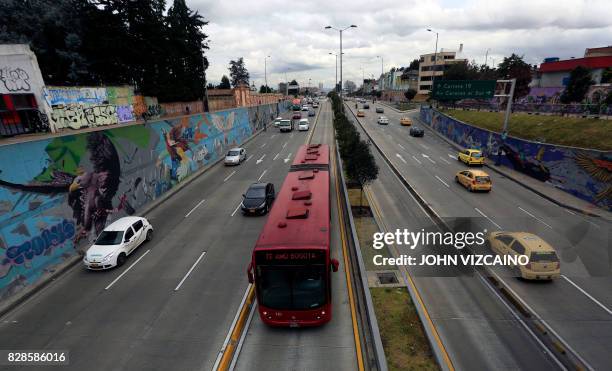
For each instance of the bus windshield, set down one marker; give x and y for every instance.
(292, 287)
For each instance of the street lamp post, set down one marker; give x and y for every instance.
(266, 71)
(382, 72)
(340, 30)
(487, 56)
(433, 78)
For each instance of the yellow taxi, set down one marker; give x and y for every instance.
(405, 121)
(471, 157)
(543, 260)
(360, 113)
(474, 180)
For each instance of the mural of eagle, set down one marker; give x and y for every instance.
(601, 170)
(90, 193)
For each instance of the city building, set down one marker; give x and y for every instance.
(554, 73)
(293, 89)
(282, 88)
(320, 86)
(429, 67)
(369, 85)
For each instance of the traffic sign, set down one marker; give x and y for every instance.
(462, 89)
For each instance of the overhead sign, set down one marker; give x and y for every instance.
(463, 89)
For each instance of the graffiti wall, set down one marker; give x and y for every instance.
(584, 173)
(182, 108)
(57, 194)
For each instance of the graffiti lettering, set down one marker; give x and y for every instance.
(15, 79)
(64, 96)
(125, 113)
(76, 117)
(101, 115)
(48, 238)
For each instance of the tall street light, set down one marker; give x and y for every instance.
(340, 30)
(266, 71)
(487, 56)
(433, 79)
(382, 72)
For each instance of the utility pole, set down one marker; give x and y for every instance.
(433, 78)
(266, 72)
(382, 72)
(340, 30)
(487, 56)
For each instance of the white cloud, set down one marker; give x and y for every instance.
(292, 33)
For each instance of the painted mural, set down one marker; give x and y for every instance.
(584, 173)
(57, 194)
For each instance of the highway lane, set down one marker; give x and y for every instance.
(166, 311)
(329, 347)
(569, 305)
(477, 330)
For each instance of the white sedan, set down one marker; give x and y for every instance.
(383, 120)
(303, 125)
(235, 156)
(117, 241)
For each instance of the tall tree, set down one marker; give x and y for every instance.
(515, 67)
(578, 85)
(238, 72)
(461, 71)
(225, 83)
(414, 65)
(409, 94)
(265, 89)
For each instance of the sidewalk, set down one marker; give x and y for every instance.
(545, 190)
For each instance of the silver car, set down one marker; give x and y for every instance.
(235, 156)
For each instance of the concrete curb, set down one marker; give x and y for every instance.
(514, 179)
(71, 262)
(395, 109)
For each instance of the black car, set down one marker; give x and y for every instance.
(416, 131)
(380, 110)
(258, 199)
(366, 106)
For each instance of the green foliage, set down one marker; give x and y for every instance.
(225, 83)
(409, 94)
(578, 85)
(265, 89)
(414, 65)
(606, 76)
(514, 67)
(238, 72)
(113, 42)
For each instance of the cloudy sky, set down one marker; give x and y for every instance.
(292, 33)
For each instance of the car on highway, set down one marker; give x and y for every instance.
(305, 107)
(277, 121)
(286, 125)
(380, 110)
(315, 104)
(366, 106)
(383, 120)
(360, 113)
(235, 156)
(474, 180)
(258, 199)
(416, 131)
(311, 113)
(543, 260)
(303, 125)
(471, 157)
(297, 116)
(405, 121)
(116, 242)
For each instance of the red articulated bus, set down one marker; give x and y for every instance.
(291, 264)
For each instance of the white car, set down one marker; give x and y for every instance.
(305, 107)
(383, 120)
(117, 241)
(315, 105)
(303, 125)
(277, 121)
(235, 156)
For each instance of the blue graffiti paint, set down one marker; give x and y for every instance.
(48, 238)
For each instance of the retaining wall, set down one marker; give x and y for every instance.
(57, 194)
(584, 173)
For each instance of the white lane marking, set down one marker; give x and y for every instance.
(424, 146)
(441, 158)
(189, 271)
(273, 135)
(417, 160)
(275, 157)
(195, 207)
(125, 271)
(261, 159)
(535, 217)
(588, 295)
(291, 136)
(237, 207)
(569, 211)
(491, 220)
(451, 156)
(401, 158)
(262, 174)
(263, 145)
(288, 158)
(427, 157)
(285, 145)
(229, 176)
(402, 147)
(443, 182)
(248, 158)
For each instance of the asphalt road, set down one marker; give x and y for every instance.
(154, 315)
(329, 347)
(578, 306)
